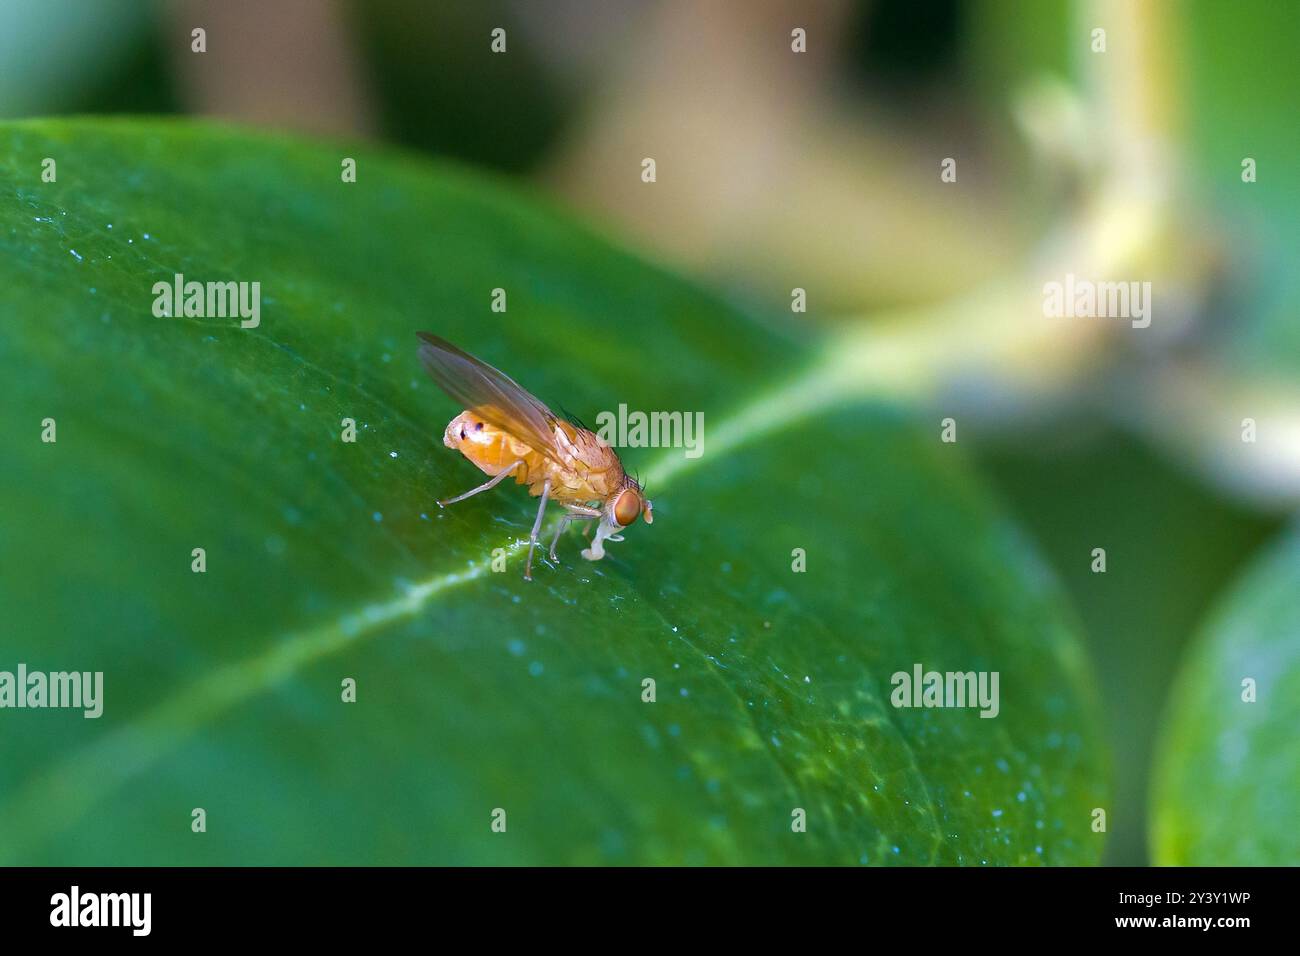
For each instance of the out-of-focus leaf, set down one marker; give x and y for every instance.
(1227, 785)
(1145, 510)
(476, 690)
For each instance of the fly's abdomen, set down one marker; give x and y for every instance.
(490, 449)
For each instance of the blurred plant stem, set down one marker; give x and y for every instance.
(997, 333)
(1125, 223)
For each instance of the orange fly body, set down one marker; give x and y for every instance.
(506, 432)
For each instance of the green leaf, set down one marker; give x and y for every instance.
(1227, 784)
(476, 690)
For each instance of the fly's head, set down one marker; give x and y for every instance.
(621, 510)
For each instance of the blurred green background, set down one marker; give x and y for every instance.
(818, 172)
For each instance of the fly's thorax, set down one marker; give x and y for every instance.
(570, 482)
(598, 463)
(574, 483)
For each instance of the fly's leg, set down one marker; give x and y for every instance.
(491, 483)
(537, 526)
(575, 513)
(559, 530)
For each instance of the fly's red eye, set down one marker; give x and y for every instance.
(626, 507)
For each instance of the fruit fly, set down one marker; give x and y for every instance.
(506, 432)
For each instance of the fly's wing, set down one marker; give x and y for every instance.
(495, 396)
